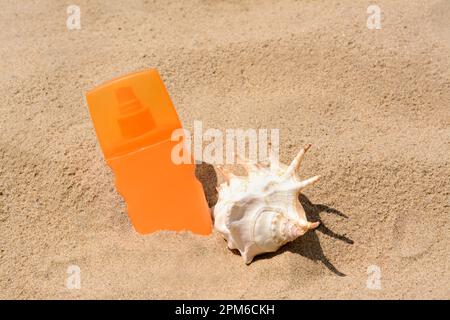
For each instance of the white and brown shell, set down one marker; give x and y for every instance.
(260, 212)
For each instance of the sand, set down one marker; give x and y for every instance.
(375, 104)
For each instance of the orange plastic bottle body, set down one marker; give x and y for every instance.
(134, 119)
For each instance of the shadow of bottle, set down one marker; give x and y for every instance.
(206, 174)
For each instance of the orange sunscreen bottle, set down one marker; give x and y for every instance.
(134, 119)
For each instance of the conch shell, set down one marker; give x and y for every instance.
(261, 212)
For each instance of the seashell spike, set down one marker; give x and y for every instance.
(261, 212)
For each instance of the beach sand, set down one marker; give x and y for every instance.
(375, 104)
